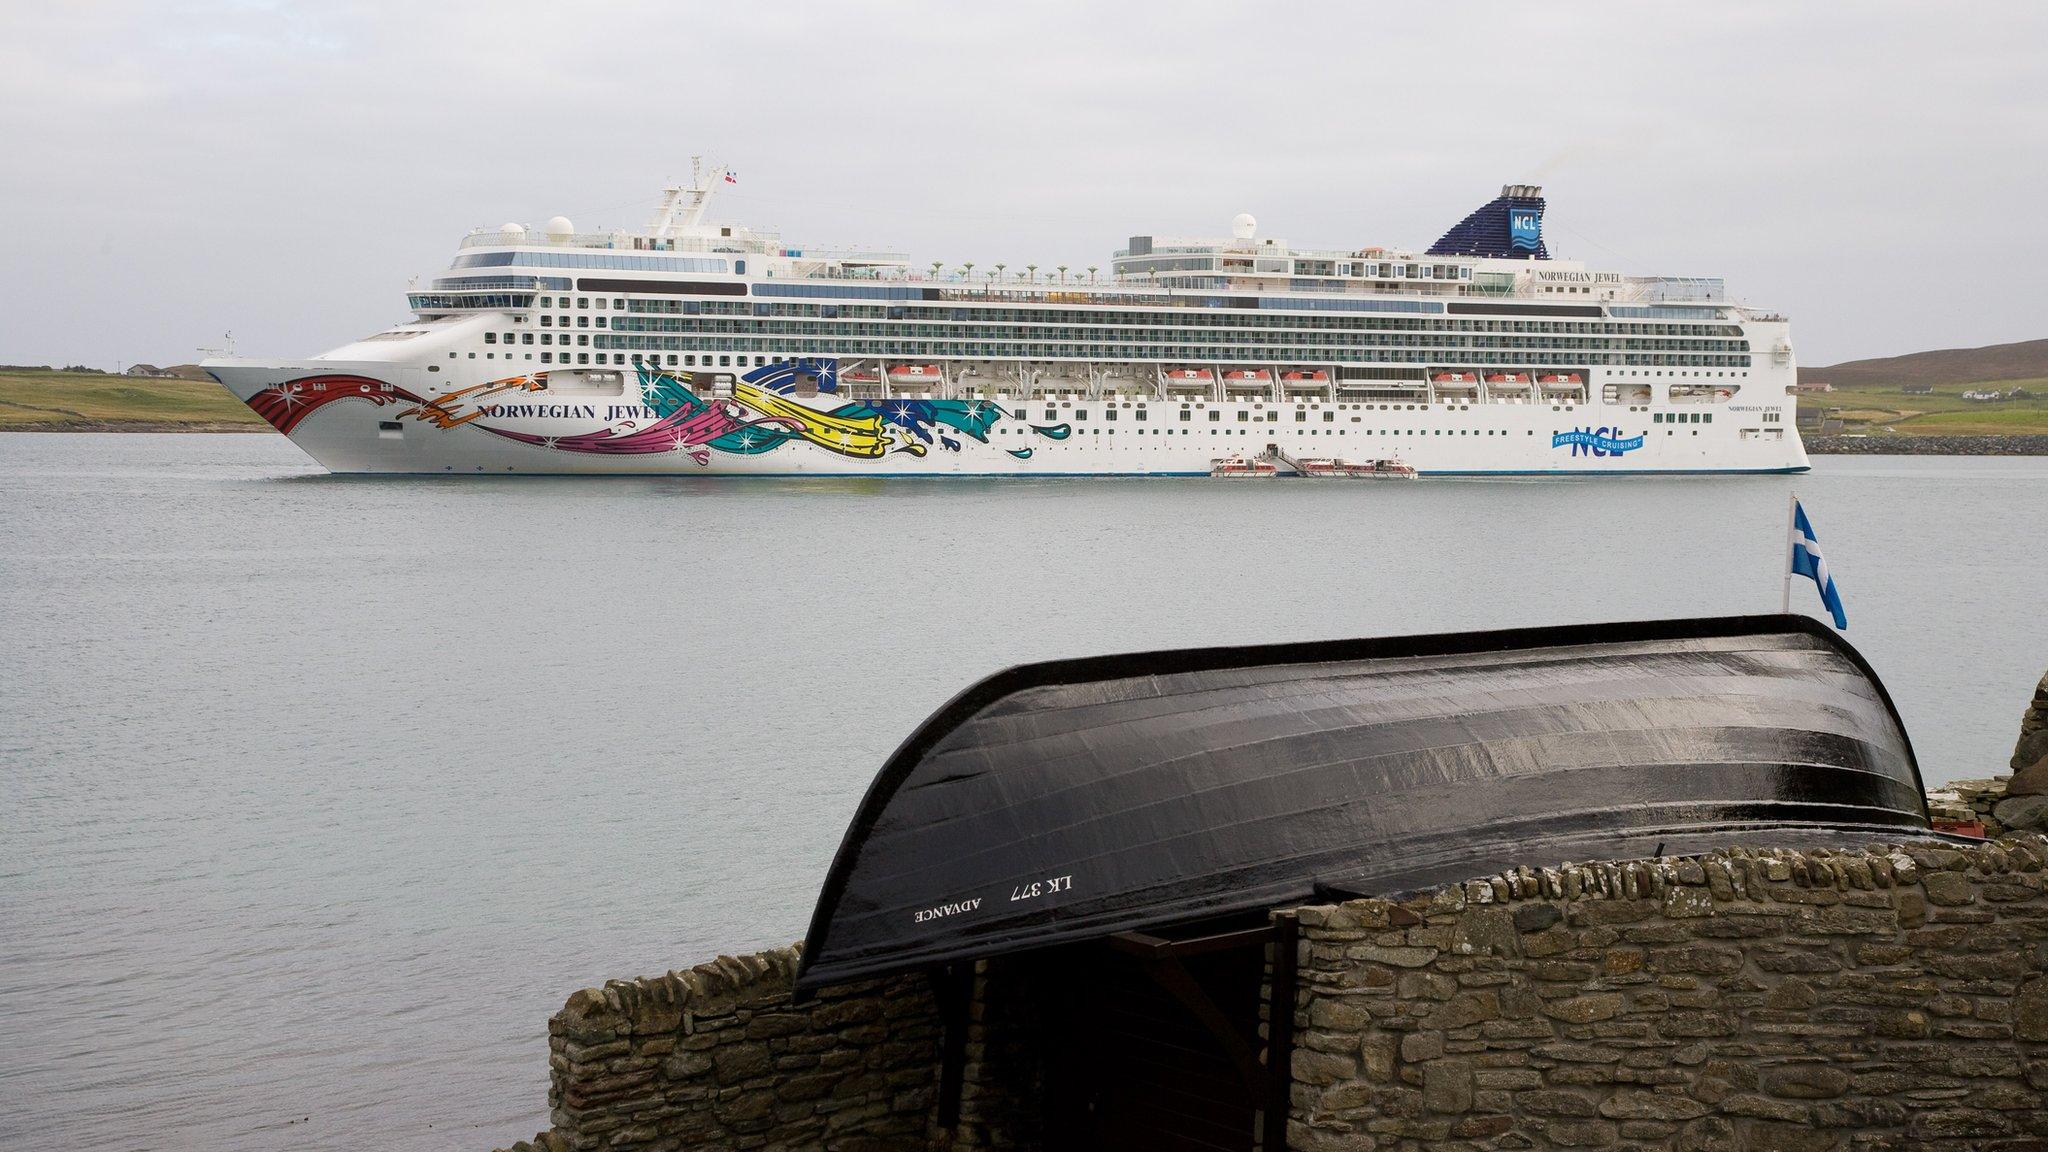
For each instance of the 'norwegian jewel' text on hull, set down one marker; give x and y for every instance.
(696, 347)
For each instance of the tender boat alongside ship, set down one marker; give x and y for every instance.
(690, 346)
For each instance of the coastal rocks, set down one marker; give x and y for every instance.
(2030, 755)
(1989, 803)
(1916, 445)
(1890, 996)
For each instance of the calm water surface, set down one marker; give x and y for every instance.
(317, 796)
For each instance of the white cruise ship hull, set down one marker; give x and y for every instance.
(378, 417)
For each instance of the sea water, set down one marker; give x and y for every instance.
(319, 795)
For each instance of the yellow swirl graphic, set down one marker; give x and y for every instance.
(846, 435)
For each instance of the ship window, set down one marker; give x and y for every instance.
(1708, 418)
(583, 357)
(1243, 416)
(1329, 416)
(547, 357)
(583, 321)
(725, 361)
(583, 340)
(490, 337)
(1052, 414)
(546, 302)
(619, 303)
(1300, 417)
(1216, 415)
(583, 301)
(1186, 415)
(1110, 414)
(690, 360)
(526, 337)
(1141, 412)
(547, 321)
(1080, 413)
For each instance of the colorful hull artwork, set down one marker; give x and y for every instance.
(761, 416)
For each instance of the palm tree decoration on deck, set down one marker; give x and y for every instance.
(1091, 273)
(936, 265)
(1032, 269)
(1063, 273)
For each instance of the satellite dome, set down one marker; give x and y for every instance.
(560, 226)
(510, 229)
(1244, 225)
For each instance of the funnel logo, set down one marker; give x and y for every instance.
(1525, 228)
(1596, 441)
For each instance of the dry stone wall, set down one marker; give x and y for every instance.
(720, 1056)
(1888, 998)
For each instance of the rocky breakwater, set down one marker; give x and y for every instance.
(2018, 802)
(1918, 445)
(1887, 997)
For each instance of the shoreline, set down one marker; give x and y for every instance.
(1928, 445)
(1895, 445)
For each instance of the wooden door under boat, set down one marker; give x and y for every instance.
(1129, 1065)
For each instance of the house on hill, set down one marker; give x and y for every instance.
(1916, 389)
(145, 370)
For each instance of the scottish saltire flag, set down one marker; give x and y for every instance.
(1808, 562)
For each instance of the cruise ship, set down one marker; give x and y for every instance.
(691, 346)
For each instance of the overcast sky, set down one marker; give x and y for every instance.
(173, 171)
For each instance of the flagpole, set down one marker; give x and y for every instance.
(1791, 510)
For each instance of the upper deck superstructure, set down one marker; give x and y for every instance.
(1480, 354)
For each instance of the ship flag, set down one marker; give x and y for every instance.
(1807, 561)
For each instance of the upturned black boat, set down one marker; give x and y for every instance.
(1061, 801)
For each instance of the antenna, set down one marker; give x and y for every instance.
(682, 209)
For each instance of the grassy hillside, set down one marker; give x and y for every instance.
(1944, 368)
(1941, 412)
(86, 400)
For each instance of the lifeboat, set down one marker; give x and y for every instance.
(1240, 468)
(915, 374)
(1244, 376)
(1511, 379)
(1314, 376)
(1316, 468)
(1560, 380)
(860, 376)
(1190, 376)
(1455, 378)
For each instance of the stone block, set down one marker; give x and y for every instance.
(1948, 889)
(1581, 1133)
(1585, 1009)
(1558, 1102)
(1447, 1086)
(2030, 1010)
(1323, 1067)
(1417, 1047)
(1806, 1081)
(1772, 1136)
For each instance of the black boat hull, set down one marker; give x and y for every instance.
(1062, 801)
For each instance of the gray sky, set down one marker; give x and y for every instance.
(173, 171)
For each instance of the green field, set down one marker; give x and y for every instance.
(89, 401)
(1944, 412)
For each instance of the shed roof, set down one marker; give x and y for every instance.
(1061, 801)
